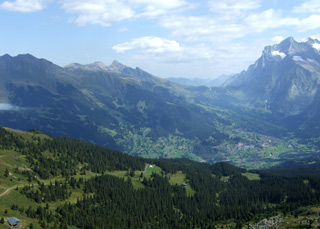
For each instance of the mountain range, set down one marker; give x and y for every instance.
(259, 118)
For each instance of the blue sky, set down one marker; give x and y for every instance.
(168, 38)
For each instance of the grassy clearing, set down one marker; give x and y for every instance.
(251, 176)
(15, 197)
(152, 169)
(11, 159)
(225, 178)
(179, 178)
(136, 179)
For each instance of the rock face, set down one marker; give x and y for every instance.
(272, 222)
(97, 66)
(287, 76)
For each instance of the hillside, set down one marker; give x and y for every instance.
(263, 117)
(130, 110)
(65, 183)
(124, 109)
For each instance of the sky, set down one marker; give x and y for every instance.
(167, 38)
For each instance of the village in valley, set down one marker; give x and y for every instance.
(253, 150)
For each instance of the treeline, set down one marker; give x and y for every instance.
(51, 157)
(48, 193)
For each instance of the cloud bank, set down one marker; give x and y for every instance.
(7, 107)
(24, 6)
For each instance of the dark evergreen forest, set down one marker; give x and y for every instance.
(112, 202)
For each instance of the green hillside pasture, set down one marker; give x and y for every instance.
(225, 178)
(136, 180)
(179, 178)
(28, 136)
(251, 176)
(15, 197)
(11, 160)
(151, 169)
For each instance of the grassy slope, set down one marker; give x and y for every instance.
(13, 160)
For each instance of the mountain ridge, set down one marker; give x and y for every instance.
(286, 75)
(144, 115)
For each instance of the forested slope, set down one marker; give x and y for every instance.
(66, 183)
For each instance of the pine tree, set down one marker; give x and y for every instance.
(6, 173)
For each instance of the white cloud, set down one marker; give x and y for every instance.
(169, 51)
(155, 8)
(7, 107)
(160, 4)
(201, 28)
(101, 12)
(268, 19)
(149, 45)
(233, 8)
(309, 23)
(277, 39)
(199, 60)
(312, 6)
(215, 29)
(104, 12)
(25, 6)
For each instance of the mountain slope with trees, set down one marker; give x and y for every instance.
(59, 182)
(264, 116)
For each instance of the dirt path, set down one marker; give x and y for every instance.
(5, 192)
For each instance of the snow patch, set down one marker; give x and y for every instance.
(297, 58)
(277, 53)
(312, 61)
(316, 46)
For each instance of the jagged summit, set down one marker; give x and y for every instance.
(315, 43)
(98, 66)
(291, 48)
(117, 66)
(286, 74)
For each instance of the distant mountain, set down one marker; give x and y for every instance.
(261, 117)
(201, 82)
(115, 106)
(115, 67)
(286, 76)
